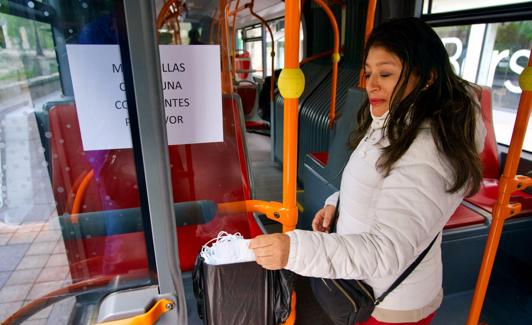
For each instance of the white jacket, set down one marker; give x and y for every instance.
(385, 223)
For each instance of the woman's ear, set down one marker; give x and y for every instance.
(432, 77)
(430, 81)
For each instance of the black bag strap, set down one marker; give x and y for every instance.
(405, 273)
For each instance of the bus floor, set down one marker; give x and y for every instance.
(508, 299)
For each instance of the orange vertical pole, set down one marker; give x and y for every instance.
(335, 59)
(213, 22)
(290, 110)
(291, 85)
(509, 183)
(370, 23)
(227, 81)
(233, 40)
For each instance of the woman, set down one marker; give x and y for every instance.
(416, 157)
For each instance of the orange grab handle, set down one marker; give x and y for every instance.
(370, 23)
(273, 210)
(150, 317)
(336, 58)
(508, 183)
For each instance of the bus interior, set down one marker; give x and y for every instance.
(112, 183)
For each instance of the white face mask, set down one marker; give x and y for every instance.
(227, 249)
(378, 121)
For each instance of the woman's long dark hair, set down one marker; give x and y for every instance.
(447, 103)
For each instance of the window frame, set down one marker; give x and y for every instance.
(486, 15)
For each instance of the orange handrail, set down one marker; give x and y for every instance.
(370, 23)
(335, 59)
(233, 50)
(211, 29)
(227, 78)
(238, 9)
(272, 53)
(176, 27)
(508, 184)
(319, 56)
(316, 57)
(162, 17)
(163, 13)
(80, 196)
(69, 291)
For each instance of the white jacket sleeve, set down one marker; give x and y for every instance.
(411, 209)
(332, 199)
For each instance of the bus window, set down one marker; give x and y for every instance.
(28, 78)
(28, 65)
(493, 55)
(277, 27)
(440, 6)
(253, 45)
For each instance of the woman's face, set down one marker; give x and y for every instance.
(383, 72)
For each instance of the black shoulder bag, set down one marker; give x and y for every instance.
(352, 301)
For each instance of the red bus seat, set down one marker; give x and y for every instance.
(243, 65)
(208, 171)
(463, 217)
(321, 158)
(487, 196)
(248, 92)
(249, 95)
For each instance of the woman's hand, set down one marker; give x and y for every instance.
(271, 251)
(323, 219)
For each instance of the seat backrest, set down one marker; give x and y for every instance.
(248, 92)
(69, 162)
(346, 122)
(243, 65)
(43, 125)
(490, 155)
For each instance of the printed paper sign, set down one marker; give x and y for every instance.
(191, 88)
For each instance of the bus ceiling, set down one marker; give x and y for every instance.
(267, 9)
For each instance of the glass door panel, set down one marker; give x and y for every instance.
(208, 167)
(70, 218)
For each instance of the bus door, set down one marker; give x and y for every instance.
(87, 222)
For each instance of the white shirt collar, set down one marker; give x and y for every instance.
(378, 121)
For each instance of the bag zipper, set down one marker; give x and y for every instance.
(365, 290)
(342, 290)
(325, 282)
